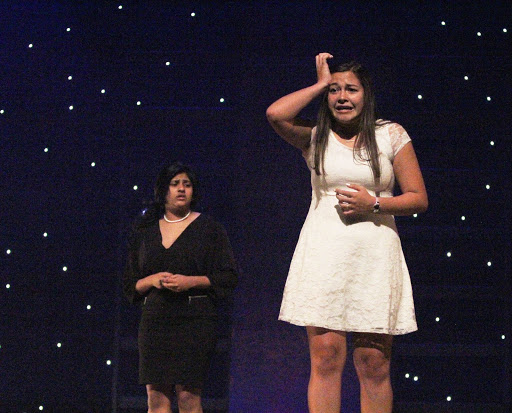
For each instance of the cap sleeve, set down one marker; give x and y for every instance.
(398, 137)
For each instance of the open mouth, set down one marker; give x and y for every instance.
(343, 108)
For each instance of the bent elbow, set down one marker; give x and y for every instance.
(271, 114)
(423, 206)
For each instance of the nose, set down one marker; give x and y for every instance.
(342, 95)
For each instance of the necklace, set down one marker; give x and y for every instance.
(173, 221)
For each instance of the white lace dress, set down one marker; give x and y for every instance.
(350, 274)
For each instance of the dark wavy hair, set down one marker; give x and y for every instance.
(156, 209)
(367, 123)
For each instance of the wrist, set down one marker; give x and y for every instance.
(376, 206)
(322, 84)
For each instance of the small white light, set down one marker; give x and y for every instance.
(487, 186)
(491, 143)
(1, 111)
(167, 63)
(8, 252)
(488, 99)
(463, 218)
(41, 408)
(93, 164)
(30, 46)
(420, 97)
(479, 34)
(489, 263)
(448, 254)
(68, 29)
(71, 107)
(59, 345)
(415, 215)
(45, 234)
(109, 362)
(64, 268)
(193, 14)
(503, 337)
(70, 77)
(89, 307)
(46, 149)
(449, 398)
(416, 378)
(103, 90)
(466, 77)
(135, 187)
(407, 375)
(443, 23)
(138, 103)
(120, 7)
(505, 30)
(7, 286)
(437, 319)
(221, 100)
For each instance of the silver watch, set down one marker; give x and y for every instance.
(376, 206)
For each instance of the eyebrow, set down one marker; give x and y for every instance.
(347, 84)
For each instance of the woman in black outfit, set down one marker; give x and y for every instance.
(180, 265)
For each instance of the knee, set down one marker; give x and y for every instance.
(188, 400)
(157, 401)
(327, 360)
(372, 366)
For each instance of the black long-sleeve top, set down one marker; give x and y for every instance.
(203, 248)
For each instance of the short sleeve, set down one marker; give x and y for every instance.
(398, 137)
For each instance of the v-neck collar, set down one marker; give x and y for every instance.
(160, 238)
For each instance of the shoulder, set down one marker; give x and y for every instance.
(140, 231)
(209, 224)
(392, 135)
(389, 128)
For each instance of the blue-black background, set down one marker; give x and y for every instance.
(191, 81)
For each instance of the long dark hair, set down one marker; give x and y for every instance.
(365, 141)
(156, 209)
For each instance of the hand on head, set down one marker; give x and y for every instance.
(322, 68)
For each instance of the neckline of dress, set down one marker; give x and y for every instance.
(179, 236)
(333, 136)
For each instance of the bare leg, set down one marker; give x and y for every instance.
(159, 398)
(372, 362)
(328, 352)
(189, 400)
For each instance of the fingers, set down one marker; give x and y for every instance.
(172, 282)
(322, 68)
(355, 200)
(324, 56)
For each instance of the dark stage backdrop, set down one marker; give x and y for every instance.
(96, 95)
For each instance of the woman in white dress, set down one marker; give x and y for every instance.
(348, 272)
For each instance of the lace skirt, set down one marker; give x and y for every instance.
(348, 274)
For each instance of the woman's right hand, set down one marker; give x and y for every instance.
(322, 68)
(158, 279)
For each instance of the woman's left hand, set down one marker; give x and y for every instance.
(357, 202)
(176, 283)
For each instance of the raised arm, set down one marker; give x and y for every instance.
(282, 114)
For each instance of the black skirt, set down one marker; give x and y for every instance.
(176, 349)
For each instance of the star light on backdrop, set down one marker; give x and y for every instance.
(69, 66)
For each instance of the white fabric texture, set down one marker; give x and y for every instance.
(350, 274)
